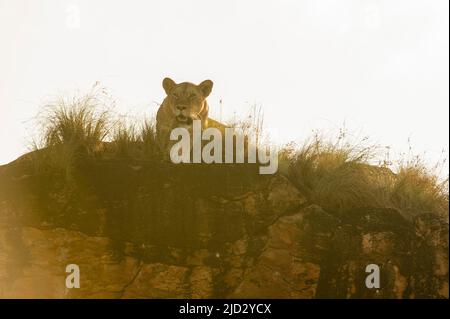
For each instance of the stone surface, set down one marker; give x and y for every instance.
(193, 241)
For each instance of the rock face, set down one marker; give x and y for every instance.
(258, 241)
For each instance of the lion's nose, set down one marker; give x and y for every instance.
(181, 107)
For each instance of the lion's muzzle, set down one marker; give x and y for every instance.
(183, 119)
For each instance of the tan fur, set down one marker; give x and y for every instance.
(184, 103)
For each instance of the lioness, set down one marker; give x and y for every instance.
(184, 103)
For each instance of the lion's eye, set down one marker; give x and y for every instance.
(175, 96)
(192, 96)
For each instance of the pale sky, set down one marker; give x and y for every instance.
(382, 67)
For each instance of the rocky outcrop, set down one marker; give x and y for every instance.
(262, 240)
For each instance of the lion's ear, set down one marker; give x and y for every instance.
(206, 87)
(168, 85)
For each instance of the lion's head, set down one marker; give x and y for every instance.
(187, 101)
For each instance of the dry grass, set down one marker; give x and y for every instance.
(419, 188)
(251, 125)
(337, 174)
(341, 175)
(135, 140)
(86, 126)
(81, 121)
(72, 128)
(124, 139)
(147, 136)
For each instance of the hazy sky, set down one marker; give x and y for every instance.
(379, 66)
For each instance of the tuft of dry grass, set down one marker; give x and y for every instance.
(147, 136)
(336, 174)
(419, 188)
(135, 140)
(340, 175)
(72, 128)
(81, 121)
(124, 139)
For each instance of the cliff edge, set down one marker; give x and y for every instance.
(153, 230)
